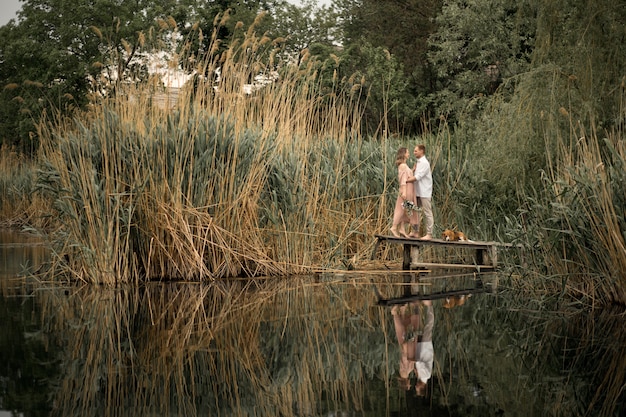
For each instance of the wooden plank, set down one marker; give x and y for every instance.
(433, 296)
(441, 242)
(451, 266)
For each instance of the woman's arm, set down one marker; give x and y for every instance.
(404, 175)
(403, 191)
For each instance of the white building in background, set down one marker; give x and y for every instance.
(173, 78)
(162, 65)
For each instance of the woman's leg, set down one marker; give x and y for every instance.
(398, 214)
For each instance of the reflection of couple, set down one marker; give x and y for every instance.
(414, 332)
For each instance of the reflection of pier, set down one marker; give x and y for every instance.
(478, 287)
(485, 253)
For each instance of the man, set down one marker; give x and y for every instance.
(423, 184)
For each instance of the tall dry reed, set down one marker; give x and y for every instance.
(223, 184)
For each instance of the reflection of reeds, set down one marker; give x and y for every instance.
(591, 348)
(520, 356)
(277, 347)
(308, 345)
(601, 353)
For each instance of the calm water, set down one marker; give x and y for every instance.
(303, 346)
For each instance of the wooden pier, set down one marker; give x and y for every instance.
(485, 253)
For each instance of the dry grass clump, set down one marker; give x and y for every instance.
(224, 184)
(202, 203)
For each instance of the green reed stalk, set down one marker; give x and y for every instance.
(578, 222)
(18, 203)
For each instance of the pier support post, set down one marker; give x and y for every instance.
(406, 257)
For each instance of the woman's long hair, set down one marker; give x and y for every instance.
(401, 156)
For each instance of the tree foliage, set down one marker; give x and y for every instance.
(581, 45)
(390, 107)
(59, 52)
(402, 28)
(477, 44)
(55, 52)
(303, 27)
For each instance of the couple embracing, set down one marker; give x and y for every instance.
(416, 189)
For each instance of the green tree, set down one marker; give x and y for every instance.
(390, 107)
(401, 27)
(476, 45)
(308, 26)
(54, 54)
(207, 26)
(58, 52)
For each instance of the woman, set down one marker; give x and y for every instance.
(407, 193)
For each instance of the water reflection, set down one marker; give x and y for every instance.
(23, 345)
(302, 346)
(244, 348)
